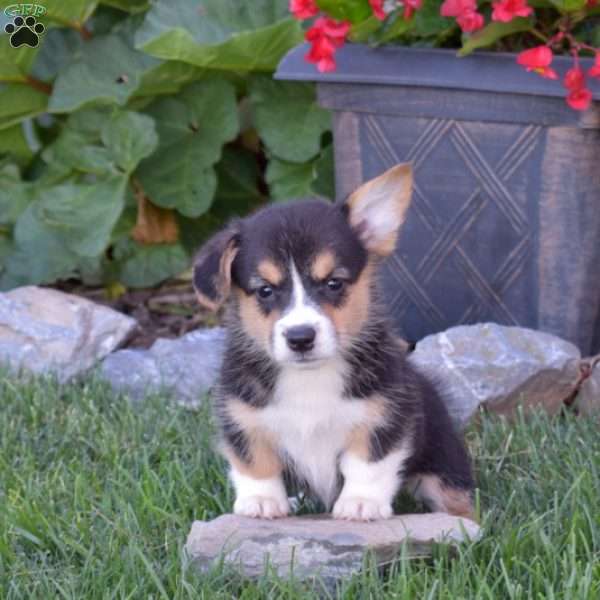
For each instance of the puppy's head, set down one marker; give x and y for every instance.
(299, 274)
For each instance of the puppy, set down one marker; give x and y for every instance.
(313, 383)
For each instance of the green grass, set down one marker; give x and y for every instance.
(97, 496)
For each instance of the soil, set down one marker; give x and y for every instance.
(168, 311)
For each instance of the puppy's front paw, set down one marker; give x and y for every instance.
(361, 509)
(261, 507)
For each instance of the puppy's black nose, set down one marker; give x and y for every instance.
(301, 338)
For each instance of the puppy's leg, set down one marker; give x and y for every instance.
(369, 486)
(258, 481)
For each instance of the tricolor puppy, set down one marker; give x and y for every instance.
(313, 383)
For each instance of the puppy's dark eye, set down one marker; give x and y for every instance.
(334, 284)
(264, 292)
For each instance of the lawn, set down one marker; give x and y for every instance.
(97, 496)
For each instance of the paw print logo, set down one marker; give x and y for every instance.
(24, 32)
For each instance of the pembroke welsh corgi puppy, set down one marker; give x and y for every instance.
(314, 385)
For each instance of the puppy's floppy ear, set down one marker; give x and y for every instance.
(212, 267)
(377, 208)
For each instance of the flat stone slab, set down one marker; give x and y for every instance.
(186, 367)
(318, 546)
(44, 330)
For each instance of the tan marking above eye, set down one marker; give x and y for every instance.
(270, 272)
(322, 265)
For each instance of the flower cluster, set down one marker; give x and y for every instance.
(327, 34)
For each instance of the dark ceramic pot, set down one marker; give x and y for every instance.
(505, 220)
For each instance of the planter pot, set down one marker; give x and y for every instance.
(505, 220)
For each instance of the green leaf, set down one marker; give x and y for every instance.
(70, 13)
(569, 5)
(220, 34)
(428, 20)
(132, 6)
(81, 215)
(76, 151)
(395, 26)
(493, 32)
(324, 183)
(362, 32)
(13, 143)
(168, 78)
(289, 180)
(15, 194)
(129, 137)
(19, 102)
(15, 63)
(107, 70)
(354, 11)
(144, 266)
(192, 128)
(288, 118)
(56, 52)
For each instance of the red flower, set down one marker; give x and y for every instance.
(455, 8)
(410, 6)
(538, 59)
(574, 79)
(580, 99)
(470, 20)
(507, 10)
(326, 35)
(595, 70)
(377, 8)
(303, 9)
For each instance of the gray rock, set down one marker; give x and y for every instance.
(499, 367)
(44, 330)
(186, 367)
(318, 546)
(587, 401)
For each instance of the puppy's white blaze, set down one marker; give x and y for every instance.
(312, 421)
(303, 312)
(374, 482)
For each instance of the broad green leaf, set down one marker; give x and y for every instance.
(168, 78)
(132, 6)
(15, 63)
(238, 178)
(56, 52)
(362, 32)
(192, 128)
(493, 32)
(289, 180)
(354, 11)
(569, 5)
(220, 34)
(82, 215)
(13, 143)
(428, 20)
(288, 119)
(107, 70)
(19, 102)
(145, 266)
(15, 194)
(129, 137)
(394, 27)
(70, 13)
(75, 150)
(324, 183)
(6, 249)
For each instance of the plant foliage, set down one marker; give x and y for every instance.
(134, 128)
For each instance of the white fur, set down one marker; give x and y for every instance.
(303, 312)
(311, 421)
(265, 498)
(369, 487)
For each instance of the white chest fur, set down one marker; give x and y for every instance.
(311, 420)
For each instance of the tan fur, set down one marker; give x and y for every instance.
(264, 462)
(441, 497)
(390, 192)
(352, 314)
(359, 440)
(323, 265)
(222, 280)
(270, 272)
(253, 320)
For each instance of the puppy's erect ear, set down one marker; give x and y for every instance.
(212, 267)
(377, 208)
